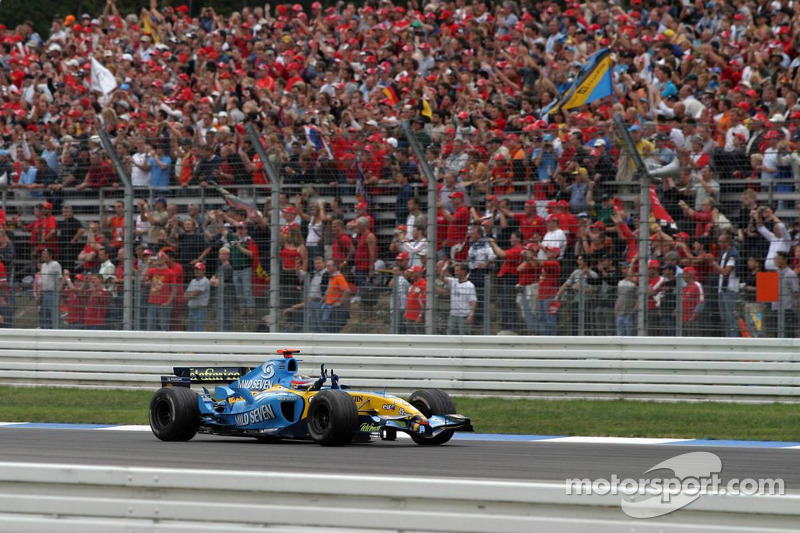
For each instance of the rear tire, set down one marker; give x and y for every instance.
(174, 414)
(431, 402)
(332, 418)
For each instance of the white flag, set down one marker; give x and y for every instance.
(102, 79)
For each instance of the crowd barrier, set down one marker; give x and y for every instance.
(580, 367)
(108, 498)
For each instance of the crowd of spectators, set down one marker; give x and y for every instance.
(540, 204)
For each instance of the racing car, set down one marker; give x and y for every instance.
(272, 402)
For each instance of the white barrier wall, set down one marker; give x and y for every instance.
(605, 367)
(87, 499)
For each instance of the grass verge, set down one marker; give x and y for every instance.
(614, 418)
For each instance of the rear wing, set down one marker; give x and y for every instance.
(186, 375)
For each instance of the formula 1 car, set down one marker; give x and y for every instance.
(271, 402)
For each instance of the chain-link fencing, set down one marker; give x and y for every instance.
(531, 232)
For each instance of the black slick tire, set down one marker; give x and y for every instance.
(332, 418)
(431, 402)
(174, 414)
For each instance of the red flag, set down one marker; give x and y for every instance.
(657, 209)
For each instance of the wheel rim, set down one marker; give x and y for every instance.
(162, 414)
(322, 418)
(423, 408)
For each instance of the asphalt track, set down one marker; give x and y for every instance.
(530, 461)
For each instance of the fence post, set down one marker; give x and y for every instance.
(220, 303)
(781, 312)
(487, 296)
(127, 287)
(430, 264)
(274, 226)
(396, 304)
(581, 307)
(679, 283)
(56, 310)
(137, 304)
(307, 302)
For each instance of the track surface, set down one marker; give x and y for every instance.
(461, 459)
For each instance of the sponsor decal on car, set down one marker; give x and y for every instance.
(262, 413)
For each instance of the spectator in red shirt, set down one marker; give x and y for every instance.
(97, 301)
(342, 250)
(99, 175)
(528, 274)
(49, 228)
(94, 241)
(415, 305)
(163, 290)
(457, 225)
(693, 302)
(364, 266)
(73, 292)
(549, 283)
(530, 223)
(507, 279)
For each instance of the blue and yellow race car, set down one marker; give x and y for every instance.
(271, 402)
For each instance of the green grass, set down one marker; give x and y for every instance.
(614, 418)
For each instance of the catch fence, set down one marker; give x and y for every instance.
(533, 232)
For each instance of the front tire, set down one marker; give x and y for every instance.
(174, 414)
(431, 402)
(332, 418)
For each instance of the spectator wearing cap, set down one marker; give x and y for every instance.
(47, 230)
(549, 270)
(197, 296)
(529, 221)
(581, 191)
(692, 302)
(457, 225)
(416, 247)
(463, 299)
(545, 156)
(163, 287)
(243, 250)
